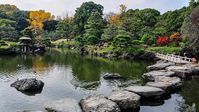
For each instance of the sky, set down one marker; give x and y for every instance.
(63, 7)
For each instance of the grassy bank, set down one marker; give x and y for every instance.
(165, 49)
(63, 42)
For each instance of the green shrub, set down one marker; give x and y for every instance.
(136, 42)
(148, 39)
(165, 50)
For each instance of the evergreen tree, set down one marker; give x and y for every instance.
(94, 28)
(27, 32)
(109, 33)
(83, 13)
(123, 40)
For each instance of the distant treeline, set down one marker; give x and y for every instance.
(90, 26)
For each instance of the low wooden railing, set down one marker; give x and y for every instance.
(174, 58)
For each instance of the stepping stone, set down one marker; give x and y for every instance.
(151, 75)
(160, 66)
(184, 71)
(65, 105)
(98, 103)
(167, 87)
(125, 99)
(175, 82)
(146, 91)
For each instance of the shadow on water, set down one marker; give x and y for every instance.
(32, 93)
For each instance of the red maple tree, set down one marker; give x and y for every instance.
(162, 40)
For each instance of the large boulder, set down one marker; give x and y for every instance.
(151, 75)
(28, 85)
(125, 99)
(184, 71)
(98, 103)
(65, 105)
(146, 91)
(160, 66)
(109, 76)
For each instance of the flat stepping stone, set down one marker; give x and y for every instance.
(65, 105)
(160, 66)
(151, 75)
(146, 91)
(183, 71)
(125, 99)
(167, 87)
(175, 82)
(98, 104)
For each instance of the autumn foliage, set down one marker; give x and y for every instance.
(162, 40)
(116, 18)
(176, 37)
(36, 19)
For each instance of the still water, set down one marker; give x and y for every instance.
(69, 75)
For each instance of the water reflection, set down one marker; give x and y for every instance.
(68, 75)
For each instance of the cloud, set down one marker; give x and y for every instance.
(61, 7)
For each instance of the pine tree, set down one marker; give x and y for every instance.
(94, 28)
(123, 40)
(109, 33)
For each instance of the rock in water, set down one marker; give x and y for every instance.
(125, 99)
(109, 76)
(28, 85)
(151, 75)
(65, 105)
(146, 91)
(184, 71)
(160, 66)
(98, 104)
(175, 82)
(162, 85)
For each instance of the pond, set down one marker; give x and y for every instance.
(69, 75)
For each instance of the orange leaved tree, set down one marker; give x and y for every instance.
(36, 19)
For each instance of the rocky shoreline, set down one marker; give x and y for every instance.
(148, 56)
(162, 79)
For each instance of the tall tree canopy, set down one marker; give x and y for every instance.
(8, 9)
(37, 18)
(83, 13)
(192, 28)
(65, 28)
(170, 22)
(94, 28)
(21, 18)
(138, 22)
(7, 29)
(50, 25)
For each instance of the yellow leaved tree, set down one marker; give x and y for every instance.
(116, 18)
(36, 19)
